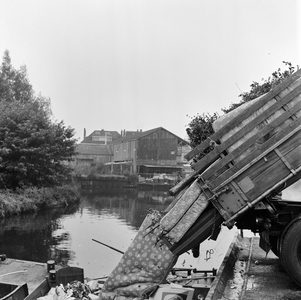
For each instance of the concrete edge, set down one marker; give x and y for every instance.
(225, 271)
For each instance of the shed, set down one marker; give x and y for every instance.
(158, 148)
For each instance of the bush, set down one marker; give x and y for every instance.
(32, 199)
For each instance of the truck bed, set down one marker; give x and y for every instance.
(255, 152)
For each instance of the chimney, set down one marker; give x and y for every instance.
(84, 133)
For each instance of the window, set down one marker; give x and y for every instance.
(98, 138)
(104, 139)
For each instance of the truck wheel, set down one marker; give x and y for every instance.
(290, 251)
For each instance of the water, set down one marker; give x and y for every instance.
(65, 234)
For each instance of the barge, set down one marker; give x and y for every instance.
(19, 272)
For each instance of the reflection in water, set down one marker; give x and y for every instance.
(66, 234)
(29, 236)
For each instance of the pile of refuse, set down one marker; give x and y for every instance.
(74, 290)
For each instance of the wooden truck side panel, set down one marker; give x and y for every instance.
(257, 154)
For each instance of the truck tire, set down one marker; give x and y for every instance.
(290, 250)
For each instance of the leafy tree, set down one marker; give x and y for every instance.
(14, 84)
(200, 126)
(33, 148)
(258, 89)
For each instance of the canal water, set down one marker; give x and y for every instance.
(66, 234)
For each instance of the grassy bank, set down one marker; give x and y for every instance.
(32, 199)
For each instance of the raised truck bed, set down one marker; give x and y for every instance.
(255, 154)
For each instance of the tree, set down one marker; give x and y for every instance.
(200, 126)
(33, 148)
(258, 89)
(14, 84)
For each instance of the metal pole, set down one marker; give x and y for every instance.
(108, 246)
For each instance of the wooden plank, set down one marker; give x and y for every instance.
(290, 178)
(294, 157)
(268, 178)
(263, 158)
(235, 168)
(270, 158)
(214, 154)
(284, 160)
(183, 183)
(265, 148)
(266, 98)
(248, 143)
(227, 159)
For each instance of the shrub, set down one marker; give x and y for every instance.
(32, 199)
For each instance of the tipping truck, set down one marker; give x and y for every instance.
(255, 153)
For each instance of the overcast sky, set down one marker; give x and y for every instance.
(142, 64)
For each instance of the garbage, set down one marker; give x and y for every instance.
(172, 291)
(74, 290)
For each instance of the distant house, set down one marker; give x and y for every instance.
(135, 152)
(101, 137)
(148, 152)
(94, 147)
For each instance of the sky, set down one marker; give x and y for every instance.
(143, 64)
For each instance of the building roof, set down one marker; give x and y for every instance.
(88, 139)
(130, 133)
(140, 134)
(93, 149)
